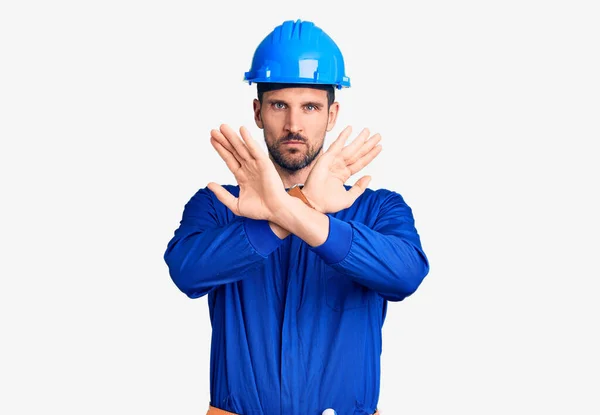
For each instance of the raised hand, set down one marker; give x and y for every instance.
(262, 193)
(324, 186)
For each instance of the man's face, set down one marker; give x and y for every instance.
(294, 122)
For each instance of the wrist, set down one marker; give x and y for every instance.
(304, 222)
(289, 212)
(282, 211)
(277, 206)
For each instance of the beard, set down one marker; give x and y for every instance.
(289, 159)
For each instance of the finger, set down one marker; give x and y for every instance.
(251, 144)
(226, 155)
(365, 160)
(225, 197)
(220, 138)
(366, 147)
(338, 144)
(358, 189)
(235, 141)
(356, 144)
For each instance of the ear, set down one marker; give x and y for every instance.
(257, 116)
(332, 116)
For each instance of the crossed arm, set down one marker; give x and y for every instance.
(206, 253)
(262, 195)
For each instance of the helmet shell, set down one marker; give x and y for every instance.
(298, 52)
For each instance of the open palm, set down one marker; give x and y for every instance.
(261, 191)
(324, 186)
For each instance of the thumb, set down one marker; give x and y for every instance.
(358, 189)
(225, 197)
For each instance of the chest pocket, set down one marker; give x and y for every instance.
(342, 293)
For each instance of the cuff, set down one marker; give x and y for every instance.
(261, 236)
(338, 242)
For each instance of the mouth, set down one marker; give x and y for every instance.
(292, 142)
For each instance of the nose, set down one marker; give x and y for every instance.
(293, 124)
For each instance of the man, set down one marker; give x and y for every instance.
(298, 277)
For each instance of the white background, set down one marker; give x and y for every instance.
(489, 113)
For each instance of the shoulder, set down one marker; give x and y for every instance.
(376, 205)
(205, 192)
(379, 197)
(204, 199)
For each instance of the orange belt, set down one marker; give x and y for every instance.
(216, 411)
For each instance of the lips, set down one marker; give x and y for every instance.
(292, 142)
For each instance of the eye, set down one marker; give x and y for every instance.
(278, 105)
(310, 107)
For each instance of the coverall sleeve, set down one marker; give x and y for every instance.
(387, 257)
(209, 250)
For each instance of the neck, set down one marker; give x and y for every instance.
(291, 178)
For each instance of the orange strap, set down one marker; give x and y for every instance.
(216, 411)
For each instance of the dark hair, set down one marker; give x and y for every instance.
(263, 87)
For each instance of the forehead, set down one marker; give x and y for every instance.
(297, 94)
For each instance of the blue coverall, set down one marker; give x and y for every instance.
(297, 329)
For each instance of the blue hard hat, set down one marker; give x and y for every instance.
(298, 53)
